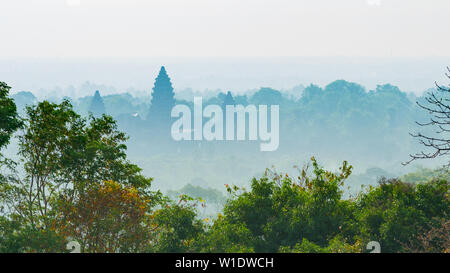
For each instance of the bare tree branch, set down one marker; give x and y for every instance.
(437, 104)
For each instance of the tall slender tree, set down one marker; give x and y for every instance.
(9, 120)
(9, 123)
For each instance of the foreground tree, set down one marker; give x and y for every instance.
(9, 123)
(62, 154)
(435, 239)
(107, 218)
(310, 214)
(396, 213)
(9, 120)
(79, 185)
(280, 211)
(179, 227)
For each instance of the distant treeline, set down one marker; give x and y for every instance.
(340, 120)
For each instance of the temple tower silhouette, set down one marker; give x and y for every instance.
(159, 120)
(97, 107)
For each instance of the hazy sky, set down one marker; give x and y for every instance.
(145, 28)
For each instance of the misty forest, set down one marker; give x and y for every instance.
(353, 166)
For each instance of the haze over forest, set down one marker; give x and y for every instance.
(59, 77)
(336, 118)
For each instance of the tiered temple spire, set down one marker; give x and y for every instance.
(162, 102)
(97, 107)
